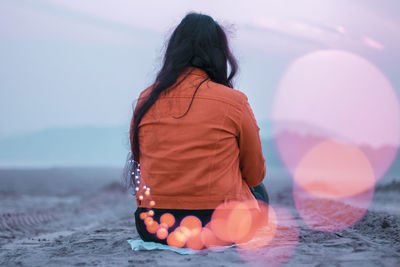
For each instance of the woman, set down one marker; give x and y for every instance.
(195, 136)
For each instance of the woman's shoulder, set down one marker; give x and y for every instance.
(144, 93)
(225, 93)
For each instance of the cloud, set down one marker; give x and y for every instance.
(368, 41)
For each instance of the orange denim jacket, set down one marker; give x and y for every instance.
(210, 155)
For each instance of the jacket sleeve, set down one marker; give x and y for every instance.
(252, 162)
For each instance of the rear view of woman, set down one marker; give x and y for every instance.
(194, 137)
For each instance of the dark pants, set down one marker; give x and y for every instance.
(259, 193)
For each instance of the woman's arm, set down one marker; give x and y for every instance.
(252, 162)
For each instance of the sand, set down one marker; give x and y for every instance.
(78, 217)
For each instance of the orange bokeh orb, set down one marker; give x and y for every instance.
(176, 239)
(209, 239)
(143, 215)
(236, 221)
(275, 244)
(148, 220)
(183, 230)
(263, 229)
(239, 223)
(152, 227)
(333, 169)
(219, 220)
(168, 219)
(164, 225)
(192, 223)
(162, 233)
(194, 241)
(334, 185)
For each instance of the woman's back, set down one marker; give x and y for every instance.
(194, 137)
(197, 156)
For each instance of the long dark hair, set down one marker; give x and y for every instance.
(198, 41)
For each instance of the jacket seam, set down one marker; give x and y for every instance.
(209, 98)
(239, 135)
(213, 160)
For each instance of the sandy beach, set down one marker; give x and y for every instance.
(84, 217)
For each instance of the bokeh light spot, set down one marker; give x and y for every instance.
(239, 223)
(219, 220)
(195, 241)
(152, 226)
(176, 239)
(168, 219)
(210, 240)
(336, 95)
(264, 227)
(192, 223)
(278, 249)
(162, 233)
(143, 215)
(333, 169)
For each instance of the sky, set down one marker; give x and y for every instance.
(68, 63)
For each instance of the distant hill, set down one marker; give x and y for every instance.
(77, 146)
(83, 146)
(384, 160)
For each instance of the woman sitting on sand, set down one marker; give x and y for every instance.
(195, 136)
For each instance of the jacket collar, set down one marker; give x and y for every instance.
(195, 71)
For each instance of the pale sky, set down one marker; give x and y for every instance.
(83, 62)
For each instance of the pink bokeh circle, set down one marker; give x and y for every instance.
(336, 95)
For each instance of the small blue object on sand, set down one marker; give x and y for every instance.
(138, 244)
